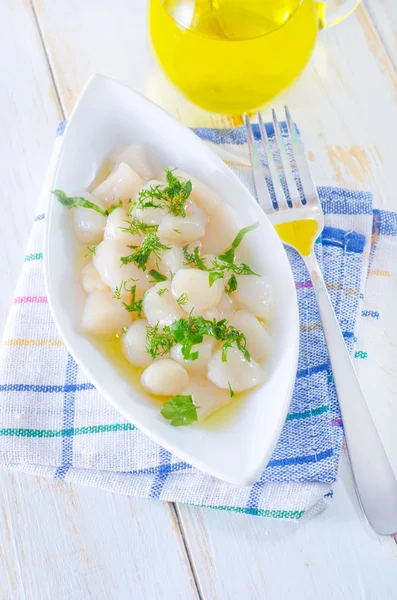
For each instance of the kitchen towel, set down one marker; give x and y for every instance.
(54, 423)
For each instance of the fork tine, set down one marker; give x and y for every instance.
(262, 192)
(289, 177)
(278, 188)
(309, 189)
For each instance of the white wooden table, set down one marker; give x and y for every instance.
(60, 541)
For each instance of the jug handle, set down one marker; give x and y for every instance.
(334, 11)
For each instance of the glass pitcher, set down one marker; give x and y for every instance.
(232, 56)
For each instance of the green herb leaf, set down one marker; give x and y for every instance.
(137, 227)
(113, 207)
(232, 394)
(180, 410)
(213, 276)
(182, 300)
(239, 237)
(158, 343)
(171, 197)
(73, 201)
(231, 285)
(132, 306)
(150, 245)
(91, 250)
(162, 291)
(194, 258)
(157, 276)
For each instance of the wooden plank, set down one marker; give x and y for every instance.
(333, 556)
(384, 18)
(72, 542)
(57, 540)
(346, 125)
(29, 115)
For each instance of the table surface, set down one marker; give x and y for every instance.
(64, 541)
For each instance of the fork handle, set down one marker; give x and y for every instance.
(375, 481)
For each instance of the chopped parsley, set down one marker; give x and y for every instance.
(74, 201)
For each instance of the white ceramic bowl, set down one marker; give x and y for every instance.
(109, 115)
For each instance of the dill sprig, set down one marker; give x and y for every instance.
(172, 196)
(137, 227)
(91, 250)
(132, 306)
(158, 343)
(151, 244)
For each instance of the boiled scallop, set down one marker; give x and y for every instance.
(205, 395)
(160, 307)
(89, 225)
(117, 221)
(193, 285)
(113, 272)
(237, 371)
(183, 230)
(164, 378)
(134, 344)
(135, 157)
(221, 229)
(204, 354)
(255, 294)
(171, 261)
(91, 279)
(103, 314)
(225, 307)
(122, 184)
(258, 340)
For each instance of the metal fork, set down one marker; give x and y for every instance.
(299, 223)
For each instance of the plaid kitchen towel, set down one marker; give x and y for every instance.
(54, 423)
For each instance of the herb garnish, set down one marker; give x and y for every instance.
(91, 250)
(74, 201)
(134, 305)
(191, 331)
(150, 245)
(172, 197)
(232, 394)
(182, 300)
(162, 291)
(137, 227)
(180, 410)
(157, 277)
(224, 263)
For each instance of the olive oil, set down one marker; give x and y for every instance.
(232, 56)
(300, 234)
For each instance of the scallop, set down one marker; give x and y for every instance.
(117, 221)
(160, 307)
(225, 307)
(109, 266)
(195, 288)
(89, 225)
(183, 230)
(221, 229)
(104, 315)
(150, 215)
(205, 395)
(91, 279)
(164, 378)
(258, 340)
(122, 184)
(135, 157)
(202, 195)
(204, 350)
(134, 344)
(237, 371)
(171, 261)
(255, 294)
